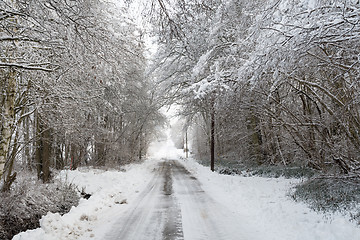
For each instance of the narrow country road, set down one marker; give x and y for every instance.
(174, 206)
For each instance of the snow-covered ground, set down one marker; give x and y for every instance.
(267, 209)
(261, 205)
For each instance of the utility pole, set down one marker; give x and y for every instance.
(212, 137)
(186, 144)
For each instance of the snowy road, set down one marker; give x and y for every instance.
(180, 199)
(174, 206)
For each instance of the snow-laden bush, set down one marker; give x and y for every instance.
(22, 208)
(269, 171)
(331, 194)
(229, 166)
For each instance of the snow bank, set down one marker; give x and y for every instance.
(110, 190)
(268, 210)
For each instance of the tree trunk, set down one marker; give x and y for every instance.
(100, 152)
(43, 150)
(9, 177)
(38, 146)
(256, 138)
(77, 155)
(8, 120)
(59, 158)
(46, 154)
(27, 157)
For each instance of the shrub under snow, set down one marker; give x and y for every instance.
(24, 205)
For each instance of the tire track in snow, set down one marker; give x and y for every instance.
(202, 217)
(174, 207)
(155, 214)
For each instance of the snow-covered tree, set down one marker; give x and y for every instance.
(75, 89)
(282, 76)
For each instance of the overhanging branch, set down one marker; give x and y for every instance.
(27, 67)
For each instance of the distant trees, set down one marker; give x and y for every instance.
(282, 77)
(73, 89)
